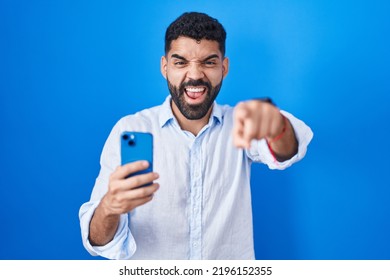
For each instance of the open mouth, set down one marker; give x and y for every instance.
(195, 93)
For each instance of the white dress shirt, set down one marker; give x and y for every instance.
(202, 209)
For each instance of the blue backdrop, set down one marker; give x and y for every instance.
(70, 69)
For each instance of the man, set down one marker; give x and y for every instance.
(202, 157)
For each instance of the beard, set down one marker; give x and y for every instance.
(190, 111)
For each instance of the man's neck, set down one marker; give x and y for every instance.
(193, 126)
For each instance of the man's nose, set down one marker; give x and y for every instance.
(195, 71)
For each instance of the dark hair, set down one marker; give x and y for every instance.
(197, 26)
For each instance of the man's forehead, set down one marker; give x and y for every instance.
(189, 48)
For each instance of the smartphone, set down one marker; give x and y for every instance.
(137, 146)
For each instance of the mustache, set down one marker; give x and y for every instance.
(195, 83)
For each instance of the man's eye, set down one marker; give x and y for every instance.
(180, 63)
(209, 63)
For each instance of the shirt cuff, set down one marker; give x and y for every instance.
(123, 244)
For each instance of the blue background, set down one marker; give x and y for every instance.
(70, 69)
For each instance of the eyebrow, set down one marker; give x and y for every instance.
(211, 57)
(178, 56)
(183, 58)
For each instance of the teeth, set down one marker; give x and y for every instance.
(194, 89)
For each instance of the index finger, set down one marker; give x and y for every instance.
(125, 170)
(241, 115)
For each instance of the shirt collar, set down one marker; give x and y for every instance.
(166, 114)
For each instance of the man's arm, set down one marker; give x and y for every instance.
(257, 119)
(123, 195)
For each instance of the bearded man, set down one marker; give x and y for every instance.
(197, 202)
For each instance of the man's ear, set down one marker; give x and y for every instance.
(225, 66)
(163, 66)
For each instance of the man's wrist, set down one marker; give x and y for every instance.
(265, 99)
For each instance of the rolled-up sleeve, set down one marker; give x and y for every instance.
(123, 245)
(259, 151)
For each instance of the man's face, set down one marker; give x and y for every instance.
(194, 71)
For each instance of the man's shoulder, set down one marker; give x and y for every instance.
(224, 110)
(143, 119)
(147, 113)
